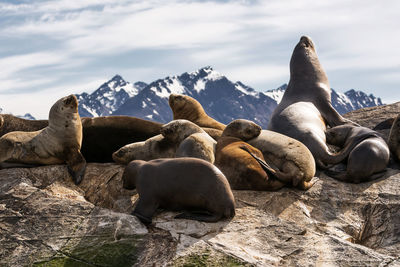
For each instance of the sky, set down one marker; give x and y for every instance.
(49, 49)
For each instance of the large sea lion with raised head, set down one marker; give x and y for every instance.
(367, 160)
(188, 108)
(58, 143)
(306, 109)
(189, 184)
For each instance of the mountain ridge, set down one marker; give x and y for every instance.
(221, 98)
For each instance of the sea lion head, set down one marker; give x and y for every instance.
(178, 130)
(243, 129)
(185, 107)
(304, 63)
(337, 135)
(65, 106)
(130, 174)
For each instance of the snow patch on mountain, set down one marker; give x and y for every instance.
(108, 97)
(276, 94)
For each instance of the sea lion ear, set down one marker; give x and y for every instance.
(1, 121)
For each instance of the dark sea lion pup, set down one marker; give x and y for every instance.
(57, 143)
(188, 108)
(306, 106)
(189, 184)
(367, 160)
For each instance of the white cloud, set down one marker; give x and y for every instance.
(13, 64)
(246, 40)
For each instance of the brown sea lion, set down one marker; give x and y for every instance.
(188, 108)
(191, 139)
(240, 162)
(367, 160)
(180, 184)
(101, 135)
(58, 143)
(306, 108)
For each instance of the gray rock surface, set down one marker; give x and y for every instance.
(46, 220)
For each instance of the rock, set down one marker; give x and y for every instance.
(46, 220)
(371, 117)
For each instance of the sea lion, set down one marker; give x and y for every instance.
(191, 139)
(10, 123)
(291, 157)
(242, 129)
(180, 184)
(153, 148)
(101, 135)
(306, 109)
(240, 162)
(367, 160)
(214, 133)
(57, 143)
(188, 108)
(394, 138)
(104, 135)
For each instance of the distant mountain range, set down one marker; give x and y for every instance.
(221, 98)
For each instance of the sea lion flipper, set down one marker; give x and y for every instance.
(267, 168)
(203, 217)
(76, 164)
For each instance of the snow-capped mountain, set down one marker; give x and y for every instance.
(221, 98)
(27, 116)
(108, 97)
(342, 102)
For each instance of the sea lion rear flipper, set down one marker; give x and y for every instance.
(142, 218)
(203, 217)
(76, 165)
(264, 165)
(282, 177)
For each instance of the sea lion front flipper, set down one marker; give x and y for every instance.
(203, 217)
(332, 117)
(76, 164)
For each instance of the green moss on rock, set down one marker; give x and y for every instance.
(208, 258)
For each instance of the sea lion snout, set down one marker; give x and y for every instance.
(306, 41)
(71, 101)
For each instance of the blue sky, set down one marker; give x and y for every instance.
(49, 49)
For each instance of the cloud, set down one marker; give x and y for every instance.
(73, 40)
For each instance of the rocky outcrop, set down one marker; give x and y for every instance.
(46, 220)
